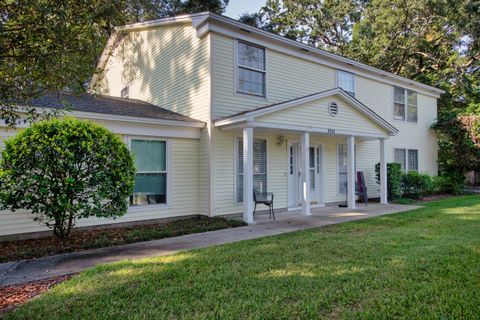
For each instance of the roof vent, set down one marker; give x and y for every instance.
(333, 108)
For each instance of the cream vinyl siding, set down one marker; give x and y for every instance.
(203, 174)
(224, 171)
(183, 191)
(379, 97)
(287, 77)
(277, 169)
(315, 114)
(167, 66)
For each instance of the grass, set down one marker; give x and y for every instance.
(83, 239)
(420, 264)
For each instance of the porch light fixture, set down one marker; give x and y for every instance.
(280, 140)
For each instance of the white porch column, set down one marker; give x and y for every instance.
(383, 173)
(304, 147)
(351, 172)
(248, 175)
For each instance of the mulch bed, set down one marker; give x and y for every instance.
(14, 295)
(84, 239)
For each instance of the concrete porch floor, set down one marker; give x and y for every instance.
(321, 216)
(30, 270)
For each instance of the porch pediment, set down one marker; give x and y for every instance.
(331, 112)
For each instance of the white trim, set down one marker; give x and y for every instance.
(104, 116)
(383, 173)
(337, 170)
(236, 79)
(210, 133)
(351, 197)
(168, 149)
(291, 103)
(294, 128)
(304, 154)
(236, 139)
(407, 165)
(210, 22)
(283, 44)
(354, 80)
(406, 105)
(248, 175)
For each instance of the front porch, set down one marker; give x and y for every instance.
(327, 215)
(307, 130)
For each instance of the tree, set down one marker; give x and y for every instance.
(48, 46)
(65, 170)
(323, 24)
(436, 42)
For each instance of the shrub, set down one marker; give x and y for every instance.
(394, 174)
(448, 185)
(64, 170)
(415, 185)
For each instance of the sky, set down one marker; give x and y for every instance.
(236, 7)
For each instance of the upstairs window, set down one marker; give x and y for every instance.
(251, 69)
(405, 105)
(346, 81)
(125, 93)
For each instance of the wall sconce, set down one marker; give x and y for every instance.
(280, 140)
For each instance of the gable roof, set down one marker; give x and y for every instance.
(111, 106)
(263, 110)
(203, 23)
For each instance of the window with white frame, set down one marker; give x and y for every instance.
(407, 158)
(251, 69)
(125, 93)
(259, 166)
(346, 81)
(151, 176)
(405, 105)
(342, 168)
(342, 158)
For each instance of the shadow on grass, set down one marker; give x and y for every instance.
(422, 264)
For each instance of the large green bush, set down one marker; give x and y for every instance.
(415, 185)
(394, 175)
(448, 185)
(64, 170)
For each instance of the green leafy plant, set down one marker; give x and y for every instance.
(394, 174)
(64, 170)
(416, 185)
(448, 185)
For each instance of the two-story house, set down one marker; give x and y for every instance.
(227, 108)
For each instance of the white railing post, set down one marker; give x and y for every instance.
(383, 173)
(305, 145)
(351, 172)
(248, 175)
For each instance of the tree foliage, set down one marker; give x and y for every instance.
(436, 42)
(65, 170)
(55, 45)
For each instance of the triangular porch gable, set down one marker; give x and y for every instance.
(333, 112)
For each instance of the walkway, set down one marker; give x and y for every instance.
(29, 270)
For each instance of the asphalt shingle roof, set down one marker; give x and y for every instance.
(86, 102)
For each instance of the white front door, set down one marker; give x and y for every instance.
(294, 174)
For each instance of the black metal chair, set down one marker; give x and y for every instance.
(265, 198)
(361, 188)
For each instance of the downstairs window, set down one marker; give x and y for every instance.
(151, 176)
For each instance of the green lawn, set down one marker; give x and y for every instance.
(420, 264)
